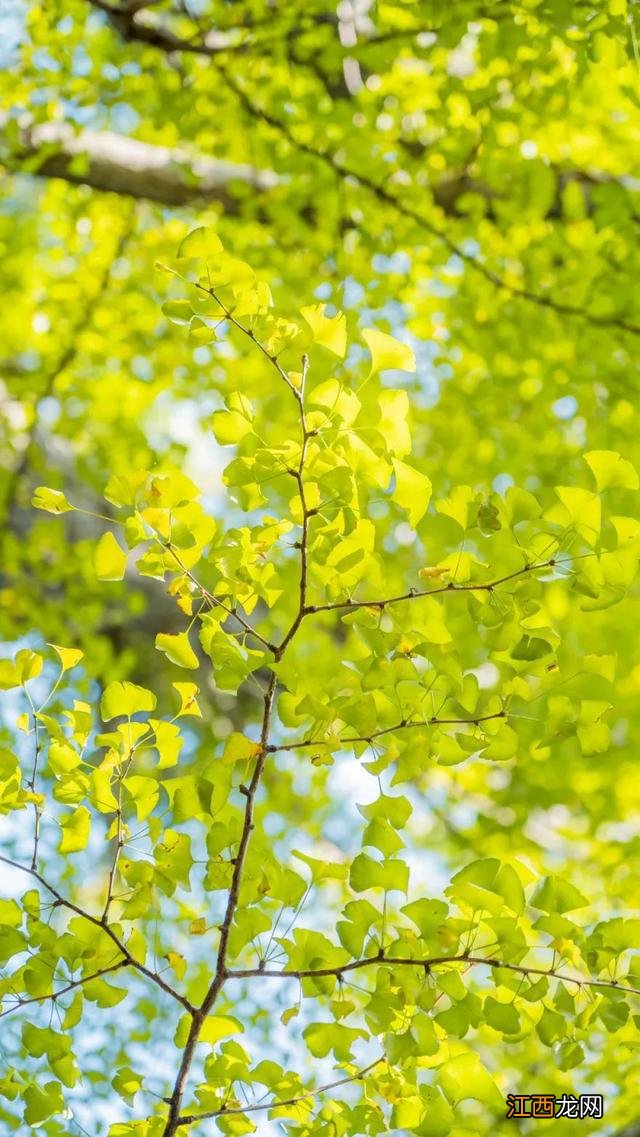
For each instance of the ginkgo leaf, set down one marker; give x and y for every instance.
(124, 698)
(202, 242)
(464, 1077)
(583, 510)
(328, 331)
(177, 649)
(52, 501)
(75, 830)
(412, 490)
(188, 700)
(214, 1028)
(178, 311)
(238, 748)
(388, 353)
(611, 469)
(69, 656)
(109, 560)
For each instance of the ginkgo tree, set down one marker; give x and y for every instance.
(270, 957)
(318, 589)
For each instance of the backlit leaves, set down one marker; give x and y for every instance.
(407, 775)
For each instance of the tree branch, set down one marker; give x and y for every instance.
(435, 961)
(129, 28)
(199, 1015)
(55, 995)
(404, 724)
(192, 1119)
(386, 197)
(106, 928)
(417, 594)
(115, 163)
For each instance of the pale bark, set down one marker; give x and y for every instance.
(117, 164)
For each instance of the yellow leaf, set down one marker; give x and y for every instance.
(328, 331)
(188, 703)
(177, 649)
(388, 353)
(219, 1026)
(201, 242)
(583, 510)
(412, 491)
(238, 748)
(69, 656)
(109, 560)
(610, 469)
(177, 963)
(75, 830)
(52, 501)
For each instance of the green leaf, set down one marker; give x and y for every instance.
(583, 511)
(202, 242)
(554, 894)
(487, 885)
(214, 1028)
(10, 914)
(502, 1016)
(388, 874)
(238, 748)
(323, 1038)
(178, 311)
(42, 1102)
(126, 1083)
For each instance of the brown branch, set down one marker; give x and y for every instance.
(119, 838)
(192, 1119)
(106, 928)
(32, 783)
(183, 176)
(418, 594)
(55, 995)
(386, 197)
(298, 474)
(216, 602)
(404, 724)
(199, 1015)
(435, 961)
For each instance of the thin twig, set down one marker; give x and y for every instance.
(192, 1119)
(106, 928)
(404, 724)
(435, 961)
(55, 995)
(419, 594)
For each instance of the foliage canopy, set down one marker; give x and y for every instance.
(320, 544)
